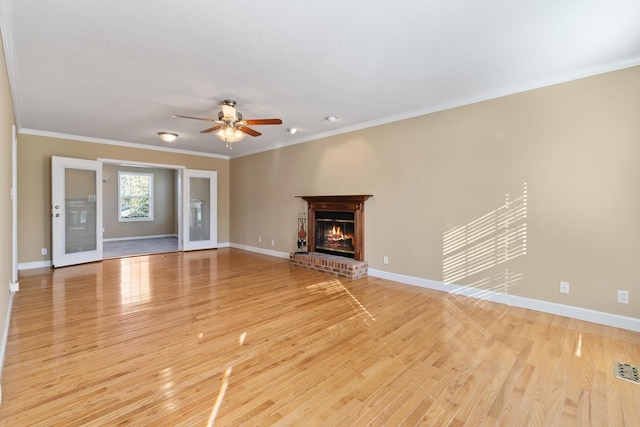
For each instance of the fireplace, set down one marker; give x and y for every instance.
(336, 225)
(335, 233)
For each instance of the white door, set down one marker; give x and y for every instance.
(76, 211)
(200, 209)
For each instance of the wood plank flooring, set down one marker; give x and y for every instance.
(236, 338)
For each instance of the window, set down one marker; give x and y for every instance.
(135, 196)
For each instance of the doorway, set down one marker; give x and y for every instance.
(181, 208)
(151, 228)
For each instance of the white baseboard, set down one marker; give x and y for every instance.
(600, 317)
(5, 332)
(623, 322)
(260, 250)
(47, 263)
(34, 264)
(14, 286)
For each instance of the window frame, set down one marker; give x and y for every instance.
(150, 195)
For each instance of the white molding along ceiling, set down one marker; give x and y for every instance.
(117, 71)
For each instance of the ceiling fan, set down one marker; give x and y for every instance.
(231, 126)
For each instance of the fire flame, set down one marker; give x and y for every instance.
(336, 234)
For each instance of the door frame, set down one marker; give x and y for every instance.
(179, 187)
(14, 211)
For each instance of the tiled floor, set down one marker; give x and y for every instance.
(154, 245)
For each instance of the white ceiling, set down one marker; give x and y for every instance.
(117, 70)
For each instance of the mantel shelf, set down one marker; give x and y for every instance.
(358, 198)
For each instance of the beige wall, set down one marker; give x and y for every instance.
(34, 184)
(164, 201)
(574, 146)
(7, 120)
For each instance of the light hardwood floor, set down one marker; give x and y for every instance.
(240, 338)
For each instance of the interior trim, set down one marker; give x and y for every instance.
(587, 315)
(26, 131)
(34, 264)
(14, 205)
(5, 332)
(270, 252)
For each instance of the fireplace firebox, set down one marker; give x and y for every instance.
(336, 225)
(335, 233)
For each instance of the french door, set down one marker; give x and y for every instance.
(76, 211)
(200, 207)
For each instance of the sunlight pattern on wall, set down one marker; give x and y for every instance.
(487, 241)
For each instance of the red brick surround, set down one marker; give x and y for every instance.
(330, 264)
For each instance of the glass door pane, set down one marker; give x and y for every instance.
(80, 210)
(199, 209)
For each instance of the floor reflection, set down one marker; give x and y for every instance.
(134, 282)
(223, 387)
(335, 286)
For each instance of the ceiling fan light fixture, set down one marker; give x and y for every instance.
(230, 134)
(231, 127)
(168, 136)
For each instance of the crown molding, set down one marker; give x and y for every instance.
(57, 135)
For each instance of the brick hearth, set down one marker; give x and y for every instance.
(330, 264)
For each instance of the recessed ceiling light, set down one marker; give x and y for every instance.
(168, 136)
(292, 131)
(331, 118)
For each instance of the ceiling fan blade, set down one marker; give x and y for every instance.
(195, 118)
(216, 127)
(249, 131)
(264, 122)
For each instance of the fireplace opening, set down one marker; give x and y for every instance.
(336, 225)
(334, 233)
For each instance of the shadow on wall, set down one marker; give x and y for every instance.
(478, 254)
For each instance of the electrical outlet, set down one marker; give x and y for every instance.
(260, 239)
(385, 259)
(43, 251)
(564, 287)
(623, 297)
(273, 243)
